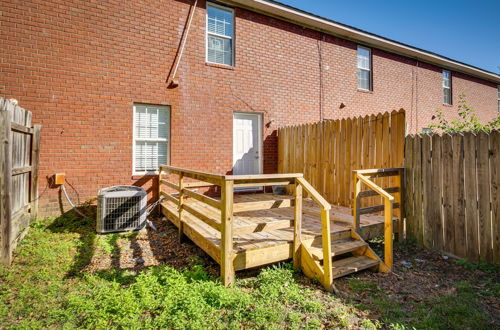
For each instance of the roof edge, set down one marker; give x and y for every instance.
(304, 18)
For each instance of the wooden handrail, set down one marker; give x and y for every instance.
(375, 187)
(315, 195)
(388, 208)
(197, 175)
(301, 183)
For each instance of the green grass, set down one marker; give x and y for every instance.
(459, 310)
(48, 286)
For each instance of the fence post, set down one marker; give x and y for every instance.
(226, 262)
(35, 156)
(5, 186)
(297, 225)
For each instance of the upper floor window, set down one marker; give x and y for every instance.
(446, 87)
(498, 98)
(151, 137)
(220, 34)
(364, 68)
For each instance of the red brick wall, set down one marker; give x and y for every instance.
(80, 65)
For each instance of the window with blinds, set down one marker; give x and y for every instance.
(151, 137)
(220, 34)
(446, 87)
(364, 68)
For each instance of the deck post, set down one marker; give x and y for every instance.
(226, 264)
(327, 248)
(181, 206)
(401, 209)
(297, 224)
(355, 203)
(388, 209)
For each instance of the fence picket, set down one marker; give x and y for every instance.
(458, 195)
(485, 251)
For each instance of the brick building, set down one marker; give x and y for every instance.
(96, 74)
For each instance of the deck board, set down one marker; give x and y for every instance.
(255, 235)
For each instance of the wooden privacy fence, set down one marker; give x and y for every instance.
(453, 193)
(19, 152)
(328, 152)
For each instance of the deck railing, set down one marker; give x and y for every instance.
(390, 203)
(226, 204)
(302, 257)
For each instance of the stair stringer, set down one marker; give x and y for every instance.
(310, 267)
(367, 251)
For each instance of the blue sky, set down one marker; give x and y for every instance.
(466, 31)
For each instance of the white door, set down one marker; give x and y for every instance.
(247, 132)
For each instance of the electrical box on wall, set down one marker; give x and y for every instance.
(59, 178)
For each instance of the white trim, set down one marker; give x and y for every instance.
(302, 18)
(167, 140)
(207, 33)
(260, 132)
(370, 70)
(449, 87)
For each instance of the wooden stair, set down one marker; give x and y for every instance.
(351, 265)
(339, 247)
(349, 256)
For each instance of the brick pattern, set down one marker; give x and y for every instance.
(80, 65)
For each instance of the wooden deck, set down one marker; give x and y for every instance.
(241, 231)
(266, 236)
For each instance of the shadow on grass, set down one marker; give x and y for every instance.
(72, 222)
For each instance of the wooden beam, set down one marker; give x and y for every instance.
(371, 193)
(376, 208)
(181, 202)
(375, 187)
(388, 233)
(170, 197)
(314, 194)
(169, 184)
(212, 222)
(262, 177)
(5, 186)
(263, 205)
(21, 170)
(35, 160)
(227, 266)
(202, 198)
(21, 128)
(297, 227)
(379, 170)
(327, 249)
(198, 184)
(356, 203)
(264, 184)
(197, 175)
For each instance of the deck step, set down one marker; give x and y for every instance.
(351, 265)
(338, 247)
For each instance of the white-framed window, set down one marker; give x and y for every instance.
(498, 96)
(364, 68)
(220, 35)
(151, 145)
(446, 87)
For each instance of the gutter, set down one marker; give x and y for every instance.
(297, 16)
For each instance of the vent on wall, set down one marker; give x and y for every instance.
(121, 208)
